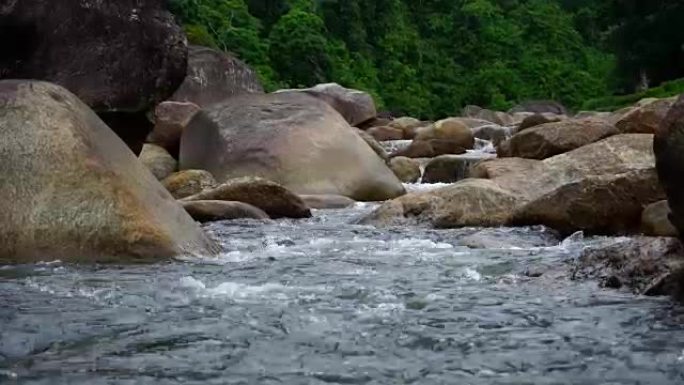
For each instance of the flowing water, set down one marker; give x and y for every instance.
(325, 301)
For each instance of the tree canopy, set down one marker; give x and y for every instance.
(429, 58)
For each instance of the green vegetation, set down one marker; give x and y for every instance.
(429, 58)
(612, 103)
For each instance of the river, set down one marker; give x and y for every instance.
(327, 301)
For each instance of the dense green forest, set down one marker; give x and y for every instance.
(429, 58)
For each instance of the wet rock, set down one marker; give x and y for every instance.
(655, 220)
(448, 129)
(471, 202)
(643, 265)
(492, 132)
(292, 139)
(170, 120)
(406, 169)
(447, 169)
(551, 139)
(384, 133)
(189, 182)
(644, 118)
(158, 161)
(355, 106)
(323, 202)
(213, 76)
(669, 150)
(95, 50)
(212, 211)
(430, 149)
(73, 191)
(274, 199)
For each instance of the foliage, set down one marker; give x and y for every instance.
(613, 103)
(429, 58)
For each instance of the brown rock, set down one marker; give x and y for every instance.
(214, 76)
(536, 120)
(551, 139)
(448, 129)
(655, 220)
(430, 149)
(495, 168)
(212, 211)
(406, 169)
(189, 182)
(292, 139)
(383, 134)
(540, 107)
(158, 161)
(646, 118)
(274, 199)
(449, 168)
(170, 119)
(73, 191)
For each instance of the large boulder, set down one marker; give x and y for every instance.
(655, 220)
(645, 117)
(551, 139)
(158, 161)
(293, 139)
(211, 211)
(96, 50)
(669, 149)
(355, 106)
(186, 183)
(374, 145)
(406, 169)
(408, 125)
(73, 191)
(448, 129)
(327, 202)
(601, 187)
(274, 199)
(429, 149)
(214, 76)
(496, 117)
(170, 120)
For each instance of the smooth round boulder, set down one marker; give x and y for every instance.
(551, 139)
(170, 120)
(407, 125)
(430, 149)
(655, 220)
(374, 145)
(73, 191)
(292, 139)
(212, 211)
(214, 76)
(669, 151)
(355, 106)
(274, 199)
(406, 169)
(327, 202)
(158, 161)
(448, 129)
(186, 183)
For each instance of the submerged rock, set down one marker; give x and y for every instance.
(189, 182)
(355, 106)
(212, 211)
(73, 191)
(274, 199)
(158, 161)
(214, 76)
(293, 139)
(323, 202)
(643, 265)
